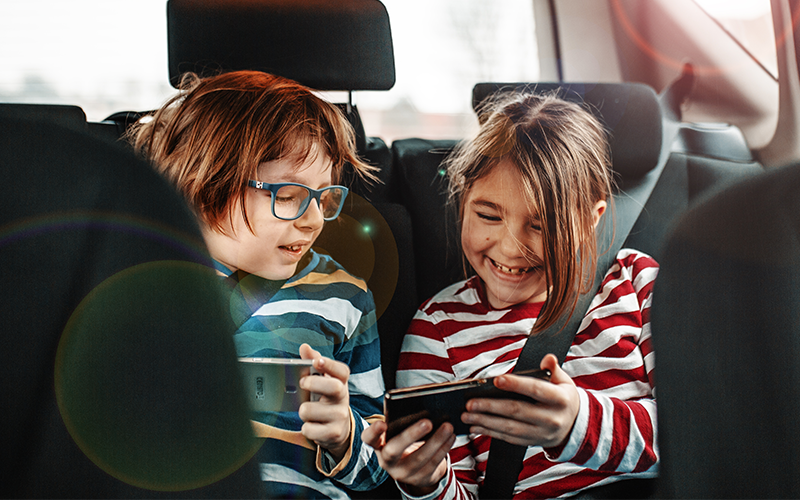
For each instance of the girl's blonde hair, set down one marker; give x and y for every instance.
(209, 139)
(563, 159)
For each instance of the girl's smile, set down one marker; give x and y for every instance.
(509, 270)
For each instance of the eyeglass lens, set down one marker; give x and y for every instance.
(292, 201)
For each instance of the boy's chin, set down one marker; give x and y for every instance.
(274, 273)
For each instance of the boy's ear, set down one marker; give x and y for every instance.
(599, 209)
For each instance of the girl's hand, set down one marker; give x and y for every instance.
(327, 421)
(417, 465)
(546, 423)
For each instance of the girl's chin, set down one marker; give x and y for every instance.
(502, 295)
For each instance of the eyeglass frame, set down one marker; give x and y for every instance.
(315, 194)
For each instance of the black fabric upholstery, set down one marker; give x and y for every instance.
(323, 44)
(630, 111)
(67, 116)
(422, 187)
(373, 242)
(107, 301)
(377, 153)
(685, 180)
(727, 336)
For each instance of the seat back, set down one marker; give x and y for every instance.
(118, 369)
(69, 116)
(727, 337)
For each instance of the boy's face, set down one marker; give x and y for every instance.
(274, 247)
(502, 239)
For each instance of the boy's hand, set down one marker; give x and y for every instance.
(327, 421)
(418, 466)
(546, 423)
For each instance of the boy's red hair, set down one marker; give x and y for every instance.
(209, 139)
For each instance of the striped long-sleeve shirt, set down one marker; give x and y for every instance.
(457, 335)
(331, 310)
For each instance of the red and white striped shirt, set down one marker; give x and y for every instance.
(457, 335)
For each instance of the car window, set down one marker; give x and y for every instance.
(108, 56)
(749, 22)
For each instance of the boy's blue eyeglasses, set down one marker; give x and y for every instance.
(290, 200)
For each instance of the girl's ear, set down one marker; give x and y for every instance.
(599, 209)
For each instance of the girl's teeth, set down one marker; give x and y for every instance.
(519, 270)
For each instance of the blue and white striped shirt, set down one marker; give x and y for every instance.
(334, 312)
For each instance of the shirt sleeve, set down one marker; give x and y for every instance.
(615, 430)
(359, 470)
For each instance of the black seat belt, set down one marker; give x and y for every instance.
(503, 470)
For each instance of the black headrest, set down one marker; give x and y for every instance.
(67, 116)
(630, 111)
(323, 44)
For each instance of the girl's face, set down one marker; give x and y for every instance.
(502, 239)
(275, 246)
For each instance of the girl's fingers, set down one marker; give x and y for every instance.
(499, 424)
(426, 465)
(394, 448)
(374, 435)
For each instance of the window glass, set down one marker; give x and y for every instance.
(749, 22)
(102, 55)
(111, 55)
(442, 48)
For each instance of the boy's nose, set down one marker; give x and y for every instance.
(312, 218)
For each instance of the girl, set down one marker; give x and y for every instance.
(530, 189)
(259, 157)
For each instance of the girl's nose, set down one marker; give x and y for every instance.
(513, 243)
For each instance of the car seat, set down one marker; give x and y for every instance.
(119, 374)
(726, 332)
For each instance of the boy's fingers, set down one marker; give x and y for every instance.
(321, 412)
(331, 367)
(307, 352)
